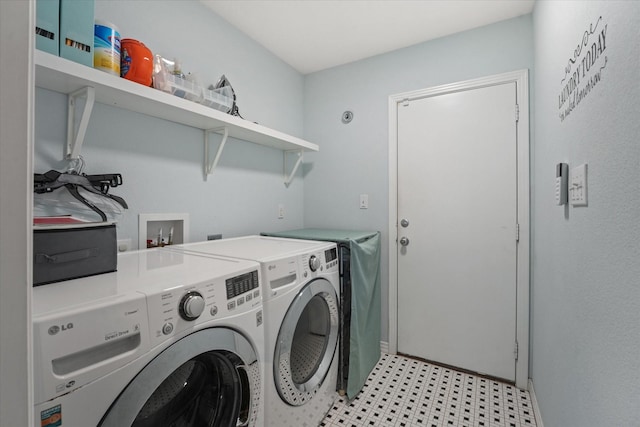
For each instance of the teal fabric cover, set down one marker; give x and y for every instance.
(365, 312)
(327, 235)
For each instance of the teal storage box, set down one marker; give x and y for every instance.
(48, 26)
(76, 30)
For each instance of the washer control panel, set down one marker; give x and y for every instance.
(180, 308)
(191, 305)
(242, 289)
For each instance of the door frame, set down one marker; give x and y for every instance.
(521, 78)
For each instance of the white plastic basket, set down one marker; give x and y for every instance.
(183, 88)
(221, 99)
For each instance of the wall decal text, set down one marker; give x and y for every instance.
(584, 69)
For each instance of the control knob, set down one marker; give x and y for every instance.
(191, 305)
(314, 263)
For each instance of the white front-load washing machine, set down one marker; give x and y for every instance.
(300, 282)
(169, 339)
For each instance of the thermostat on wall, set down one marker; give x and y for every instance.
(562, 178)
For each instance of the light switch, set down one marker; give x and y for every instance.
(578, 186)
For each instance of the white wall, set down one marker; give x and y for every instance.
(353, 158)
(586, 274)
(17, 18)
(160, 161)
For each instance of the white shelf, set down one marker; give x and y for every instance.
(61, 75)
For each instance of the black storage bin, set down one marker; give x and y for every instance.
(73, 251)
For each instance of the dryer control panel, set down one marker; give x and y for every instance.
(319, 262)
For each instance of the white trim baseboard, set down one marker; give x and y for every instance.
(534, 403)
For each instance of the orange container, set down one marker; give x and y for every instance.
(136, 62)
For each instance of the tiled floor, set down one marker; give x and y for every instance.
(407, 392)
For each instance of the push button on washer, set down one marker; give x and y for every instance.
(167, 328)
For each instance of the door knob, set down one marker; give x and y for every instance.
(404, 223)
(404, 241)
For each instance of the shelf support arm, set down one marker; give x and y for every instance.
(289, 178)
(210, 165)
(75, 138)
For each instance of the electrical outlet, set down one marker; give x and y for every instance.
(280, 211)
(124, 245)
(364, 201)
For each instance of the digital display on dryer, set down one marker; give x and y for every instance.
(240, 284)
(330, 255)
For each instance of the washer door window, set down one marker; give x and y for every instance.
(306, 342)
(209, 378)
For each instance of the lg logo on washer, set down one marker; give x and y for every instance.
(55, 328)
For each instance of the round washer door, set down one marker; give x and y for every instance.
(306, 342)
(208, 378)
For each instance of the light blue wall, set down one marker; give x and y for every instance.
(585, 296)
(585, 260)
(160, 161)
(353, 158)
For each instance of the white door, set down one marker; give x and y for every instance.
(457, 193)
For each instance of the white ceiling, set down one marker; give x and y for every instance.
(312, 35)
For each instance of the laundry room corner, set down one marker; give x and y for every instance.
(585, 300)
(161, 162)
(354, 155)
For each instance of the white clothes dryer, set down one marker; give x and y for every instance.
(300, 282)
(164, 341)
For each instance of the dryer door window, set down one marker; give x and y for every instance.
(306, 342)
(209, 378)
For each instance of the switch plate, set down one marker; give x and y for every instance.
(280, 211)
(364, 201)
(578, 186)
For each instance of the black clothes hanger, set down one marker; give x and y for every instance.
(72, 181)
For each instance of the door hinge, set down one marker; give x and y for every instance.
(517, 232)
(405, 102)
(515, 351)
(517, 113)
